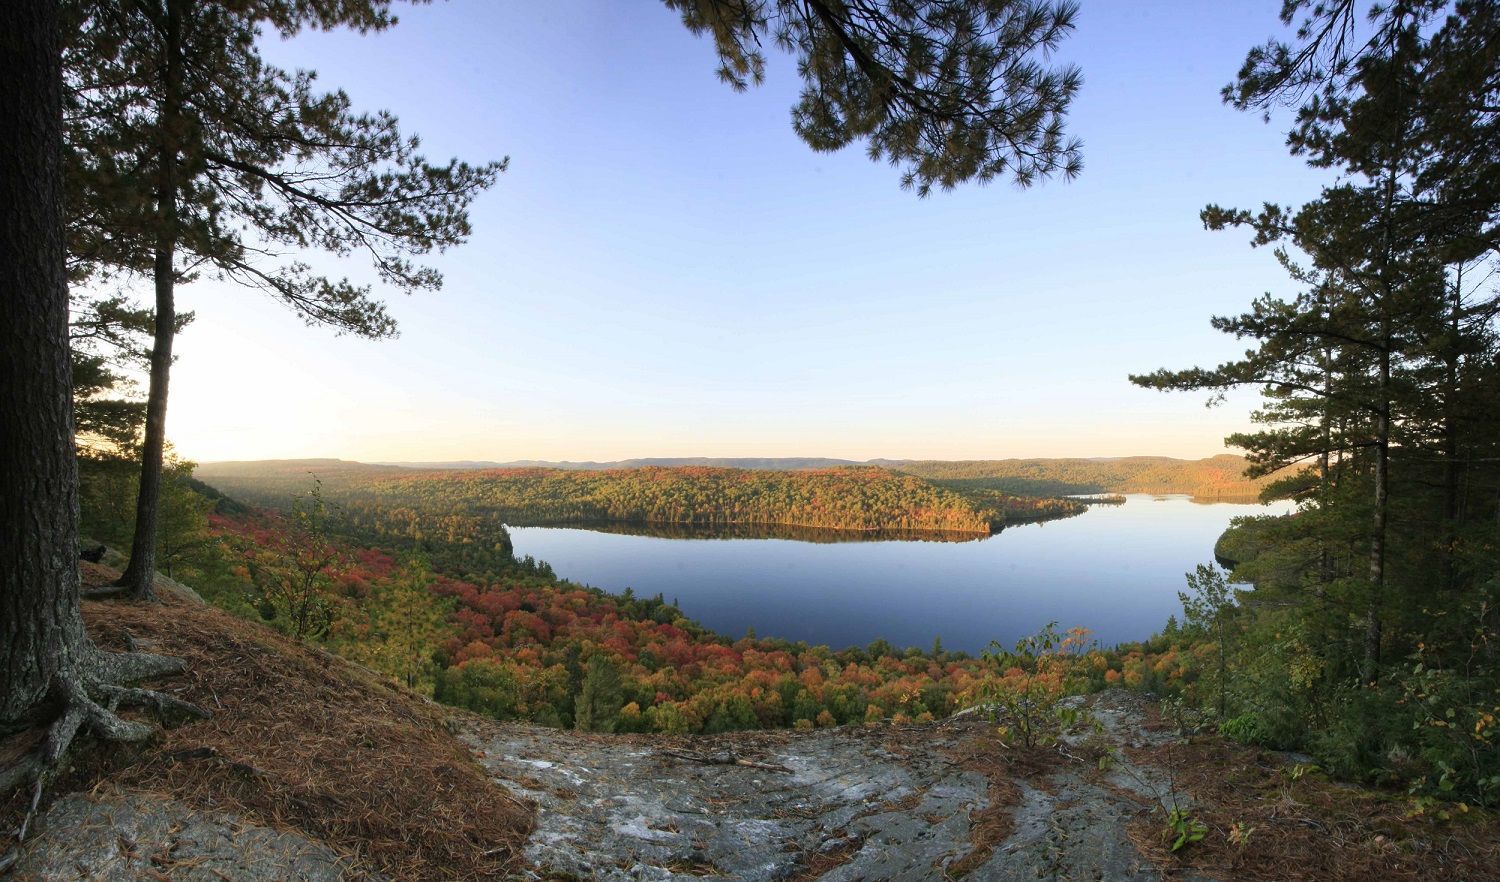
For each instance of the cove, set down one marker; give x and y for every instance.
(1115, 569)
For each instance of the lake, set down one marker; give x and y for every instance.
(1115, 569)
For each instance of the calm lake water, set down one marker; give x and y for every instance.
(1115, 569)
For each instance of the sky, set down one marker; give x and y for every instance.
(665, 269)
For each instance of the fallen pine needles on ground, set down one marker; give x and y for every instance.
(1267, 820)
(306, 742)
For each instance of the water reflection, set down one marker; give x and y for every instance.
(772, 531)
(1116, 569)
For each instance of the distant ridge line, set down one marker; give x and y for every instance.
(1215, 477)
(775, 463)
(781, 463)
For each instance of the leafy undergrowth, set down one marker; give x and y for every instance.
(305, 742)
(1270, 820)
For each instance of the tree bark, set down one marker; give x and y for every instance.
(41, 628)
(1379, 519)
(139, 576)
(50, 672)
(1448, 440)
(1381, 515)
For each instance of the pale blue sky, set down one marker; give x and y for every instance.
(666, 270)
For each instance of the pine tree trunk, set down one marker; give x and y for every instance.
(1378, 521)
(1325, 426)
(1371, 667)
(41, 629)
(140, 573)
(1448, 443)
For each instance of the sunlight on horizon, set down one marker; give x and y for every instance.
(666, 270)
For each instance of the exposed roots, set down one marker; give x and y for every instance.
(166, 706)
(105, 592)
(121, 591)
(123, 668)
(89, 697)
(92, 697)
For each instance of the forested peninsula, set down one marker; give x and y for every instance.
(853, 498)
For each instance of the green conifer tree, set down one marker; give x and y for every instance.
(597, 707)
(189, 156)
(52, 675)
(947, 91)
(1381, 374)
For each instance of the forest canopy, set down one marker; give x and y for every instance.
(862, 498)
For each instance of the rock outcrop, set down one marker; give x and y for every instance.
(877, 804)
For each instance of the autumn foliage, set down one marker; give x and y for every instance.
(447, 504)
(528, 646)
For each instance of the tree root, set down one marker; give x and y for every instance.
(116, 590)
(105, 592)
(122, 668)
(92, 698)
(88, 696)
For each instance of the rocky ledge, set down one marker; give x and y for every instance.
(942, 801)
(841, 805)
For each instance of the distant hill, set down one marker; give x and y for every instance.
(782, 463)
(1217, 477)
(260, 467)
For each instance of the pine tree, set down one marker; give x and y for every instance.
(597, 707)
(947, 91)
(1353, 366)
(53, 676)
(1382, 373)
(188, 156)
(404, 624)
(105, 333)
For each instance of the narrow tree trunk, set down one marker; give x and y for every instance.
(1378, 522)
(1326, 421)
(140, 573)
(1336, 473)
(41, 629)
(1448, 526)
(1379, 518)
(1326, 430)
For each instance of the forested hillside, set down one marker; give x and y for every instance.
(523, 644)
(783, 463)
(1217, 477)
(512, 641)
